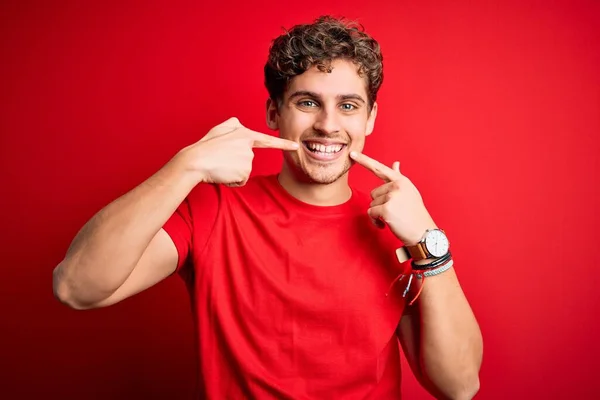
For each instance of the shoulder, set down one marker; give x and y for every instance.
(256, 186)
(253, 184)
(217, 194)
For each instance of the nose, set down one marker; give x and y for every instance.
(327, 122)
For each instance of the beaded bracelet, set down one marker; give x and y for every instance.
(430, 272)
(437, 271)
(446, 265)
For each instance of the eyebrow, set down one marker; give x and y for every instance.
(350, 96)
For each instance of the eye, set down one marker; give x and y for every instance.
(348, 107)
(307, 103)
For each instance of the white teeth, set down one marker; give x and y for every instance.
(334, 148)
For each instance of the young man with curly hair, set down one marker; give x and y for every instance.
(302, 287)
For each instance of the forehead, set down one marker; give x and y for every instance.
(342, 80)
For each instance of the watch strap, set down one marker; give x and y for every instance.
(402, 255)
(416, 252)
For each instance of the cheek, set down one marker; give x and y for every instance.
(293, 125)
(357, 132)
(358, 142)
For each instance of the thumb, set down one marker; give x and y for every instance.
(225, 127)
(378, 223)
(396, 166)
(376, 220)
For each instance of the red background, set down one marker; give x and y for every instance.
(493, 110)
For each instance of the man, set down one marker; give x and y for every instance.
(300, 284)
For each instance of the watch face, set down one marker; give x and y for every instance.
(437, 243)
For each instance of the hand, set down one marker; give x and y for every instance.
(224, 155)
(397, 202)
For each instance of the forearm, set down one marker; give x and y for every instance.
(451, 345)
(106, 250)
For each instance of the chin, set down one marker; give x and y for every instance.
(317, 170)
(322, 175)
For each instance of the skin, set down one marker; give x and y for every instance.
(123, 250)
(313, 108)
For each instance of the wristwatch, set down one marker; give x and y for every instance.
(433, 244)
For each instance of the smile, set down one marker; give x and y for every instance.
(324, 151)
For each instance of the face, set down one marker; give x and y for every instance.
(328, 114)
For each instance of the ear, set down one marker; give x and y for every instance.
(371, 119)
(272, 114)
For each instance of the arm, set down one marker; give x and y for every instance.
(441, 339)
(123, 249)
(439, 333)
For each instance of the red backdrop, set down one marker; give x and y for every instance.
(492, 109)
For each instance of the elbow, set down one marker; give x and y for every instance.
(474, 389)
(463, 386)
(59, 287)
(62, 291)
(468, 389)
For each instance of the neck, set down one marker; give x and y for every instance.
(318, 194)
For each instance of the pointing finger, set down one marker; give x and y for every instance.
(382, 171)
(261, 140)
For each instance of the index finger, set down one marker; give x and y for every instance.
(381, 170)
(261, 140)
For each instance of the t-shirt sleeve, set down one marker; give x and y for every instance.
(192, 222)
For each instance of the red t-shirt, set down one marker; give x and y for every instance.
(289, 299)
